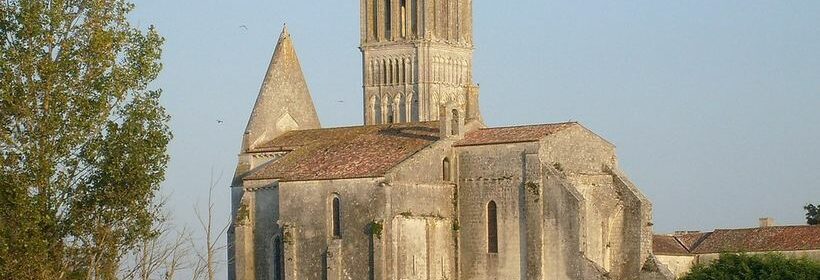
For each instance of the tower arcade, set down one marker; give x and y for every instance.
(417, 56)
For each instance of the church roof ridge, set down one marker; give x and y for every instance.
(531, 125)
(511, 134)
(354, 126)
(366, 151)
(768, 227)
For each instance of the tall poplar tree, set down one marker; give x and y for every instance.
(82, 137)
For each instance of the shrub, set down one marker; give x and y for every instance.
(765, 266)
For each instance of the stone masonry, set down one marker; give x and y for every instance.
(424, 190)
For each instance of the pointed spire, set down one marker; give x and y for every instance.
(285, 33)
(284, 102)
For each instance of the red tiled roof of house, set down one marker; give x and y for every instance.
(691, 240)
(345, 153)
(513, 134)
(668, 245)
(764, 239)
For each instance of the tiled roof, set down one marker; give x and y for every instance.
(345, 153)
(691, 240)
(513, 134)
(765, 239)
(667, 245)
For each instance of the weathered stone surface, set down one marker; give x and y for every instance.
(424, 190)
(284, 101)
(417, 56)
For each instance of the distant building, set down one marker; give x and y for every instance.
(682, 250)
(424, 190)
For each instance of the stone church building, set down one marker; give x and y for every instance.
(424, 190)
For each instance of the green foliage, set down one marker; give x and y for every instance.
(812, 214)
(763, 267)
(376, 229)
(82, 137)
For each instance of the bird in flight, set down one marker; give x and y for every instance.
(340, 101)
(220, 121)
(245, 27)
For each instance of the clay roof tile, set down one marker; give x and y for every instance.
(512, 134)
(344, 153)
(668, 245)
(764, 239)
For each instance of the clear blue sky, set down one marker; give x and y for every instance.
(714, 105)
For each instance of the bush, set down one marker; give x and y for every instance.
(766, 266)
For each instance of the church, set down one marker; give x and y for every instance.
(424, 189)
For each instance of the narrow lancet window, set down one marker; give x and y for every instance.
(414, 18)
(403, 108)
(279, 258)
(403, 18)
(445, 170)
(374, 14)
(391, 115)
(388, 18)
(377, 110)
(492, 228)
(337, 218)
(454, 123)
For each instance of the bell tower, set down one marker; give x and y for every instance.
(417, 56)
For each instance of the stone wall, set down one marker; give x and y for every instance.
(493, 173)
(679, 265)
(306, 208)
(564, 217)
(576, 150)
(811, 254)
(615, 232)
(419, 231)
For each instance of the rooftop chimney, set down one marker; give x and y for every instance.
(766, 222)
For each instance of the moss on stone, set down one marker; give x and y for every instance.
(243, 214)
(376, 229)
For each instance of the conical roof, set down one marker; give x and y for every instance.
(284, 102)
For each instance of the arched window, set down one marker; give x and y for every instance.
(414, 107)
(391, 114)
(377, 110)
(454, 123)
(388, 80)
(278, 258)
(403, 18)
(374, 13)
(492, 228)
(402, 108)
(388, 17)
(336, 222)
(445, 170)
(385, 73)
(414, 18)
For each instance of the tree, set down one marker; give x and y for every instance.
(82, 137)
(207, 263)
(763, 267)
(812, 214)
(161, 257)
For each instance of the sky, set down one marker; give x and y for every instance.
(714, 105)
